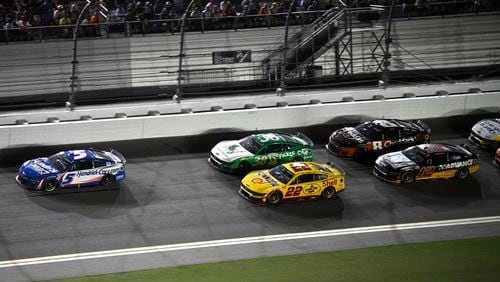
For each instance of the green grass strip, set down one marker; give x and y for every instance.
(459, 260)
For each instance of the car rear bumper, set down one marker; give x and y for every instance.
(482, 142)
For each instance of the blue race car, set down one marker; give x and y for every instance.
(76, 168)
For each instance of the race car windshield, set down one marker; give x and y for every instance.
(250, 144)
(281, 173)
(415, 154)
(59, 161)
(369, 130)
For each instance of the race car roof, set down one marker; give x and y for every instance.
(440, 148)
(310, 167)
(394, 123)
(87, 154)
(263, 138)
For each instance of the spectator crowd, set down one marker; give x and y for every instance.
(23, 14)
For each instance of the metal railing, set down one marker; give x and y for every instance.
(148, 61)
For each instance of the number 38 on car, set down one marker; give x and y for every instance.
(293, 182)
(74, 168)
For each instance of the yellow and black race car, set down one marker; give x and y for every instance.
(293, 182)
(427, 161)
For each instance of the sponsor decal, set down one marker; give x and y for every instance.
(45, 166)
(313, 188)
(380, 145)
(354, 134)
(327, 183)
(92, 172)
(268, 179)
(232, 147)
(257, 180)
(457, 164)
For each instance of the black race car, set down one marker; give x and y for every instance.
(377, 136)
(427, 161)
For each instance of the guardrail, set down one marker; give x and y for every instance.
(199, 117)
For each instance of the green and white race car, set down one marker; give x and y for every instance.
(260, 151)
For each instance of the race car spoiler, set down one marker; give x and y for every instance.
(332, 165)
(423, 125)
(468, 149)
(118, 154)
(305, 138)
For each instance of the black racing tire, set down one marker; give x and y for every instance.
(243, 167)
(407, 177)
(329, 193)
(50, 185)
(107, 180)
(274, 198)
(462, 173)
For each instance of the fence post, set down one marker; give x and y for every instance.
(178, 95)
(388, 39)
(74, 78)
(6, 36)
(282, 88)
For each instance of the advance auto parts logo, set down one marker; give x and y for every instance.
(457, 164)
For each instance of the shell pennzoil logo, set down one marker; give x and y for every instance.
(313, 188)
(257, 180)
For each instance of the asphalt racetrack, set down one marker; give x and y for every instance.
(172, 195)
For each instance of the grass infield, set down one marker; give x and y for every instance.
(459, 260)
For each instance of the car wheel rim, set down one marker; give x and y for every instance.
(50, 187)
(407, 177)
(274, 198)
(328, 193)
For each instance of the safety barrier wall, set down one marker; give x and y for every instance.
(234, 103)
(175, 125)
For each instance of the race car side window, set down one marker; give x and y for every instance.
(439, 158)
(408, 132)
(454, 157)
(83, 165)
(273, 148)
(286, 147)
(320, 177)
(304, 178)
(99, 163)
(391, 134)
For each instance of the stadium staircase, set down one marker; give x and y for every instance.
(308, 44)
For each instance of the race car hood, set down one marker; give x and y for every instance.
(488, 129)
(259, 181)
(396, 160)
(38, 168)
(229, 151)
(349, 136)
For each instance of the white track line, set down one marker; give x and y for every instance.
(246, 240)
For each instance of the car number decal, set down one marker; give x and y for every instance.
(293, 191)
(426, 171)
